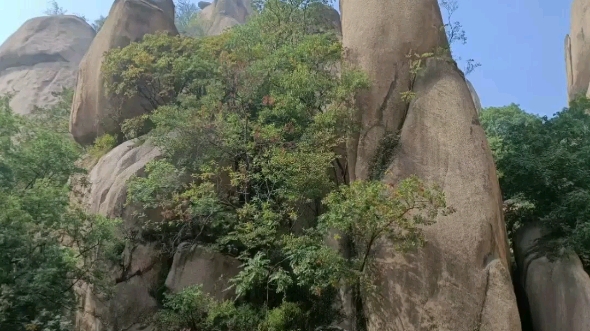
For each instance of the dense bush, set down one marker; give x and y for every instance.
(47, 246)
(544, 167)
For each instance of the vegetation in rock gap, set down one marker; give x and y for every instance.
(249, 123)
(544, 171)
(455, 34)
(47, 246)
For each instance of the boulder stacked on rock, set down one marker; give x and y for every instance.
(558, 292)
(42, 58)
(223, 14)
(128, 21)
(460, 280)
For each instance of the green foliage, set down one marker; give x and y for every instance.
(98, 23)
(158, 69)
(383, 156)
(248, 123)
(455, 33)
(188, 21)
(372, 210)
(545, 172)
(46, 245)
(57, 116)
(54, 9)
(102, 145)
(192, 309)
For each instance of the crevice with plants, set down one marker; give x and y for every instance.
(248, 132)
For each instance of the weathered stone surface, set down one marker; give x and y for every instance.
(132, 305)
(474, 95)
(377, 39)
(128, 21)
(558, 291)
(460, 279)
(42, 57)
(223, 14)
(108, 178)
(141, 270)
(193, 265)
(577, 49)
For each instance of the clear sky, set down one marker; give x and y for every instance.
(518, 42)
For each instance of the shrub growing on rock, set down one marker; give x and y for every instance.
(254, 119)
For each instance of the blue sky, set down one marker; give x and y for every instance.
(518, 42)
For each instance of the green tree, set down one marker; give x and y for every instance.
(186, 12)
(46, 245)
(545, 172)
(249, 123)
(98, 23)
(56, 116)
(54, 9)
(455, 32)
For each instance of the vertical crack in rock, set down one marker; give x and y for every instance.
(388, 95)
(485, 298)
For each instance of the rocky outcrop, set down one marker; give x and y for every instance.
(460, 279)
(108, 178)
(194, 265)
(144, 271)
(577, 50)
(128, 21)
(142, 266)
(558, 292)
(41, 58)
(327, 18)
(380, 49)
(223, 14)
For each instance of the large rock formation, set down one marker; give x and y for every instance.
(460, 279)
(558, 292)
(144, 270)
(223, 14)
(42, 57)
(577, 50)
(128, 21)
(105, 193)
(196, 265)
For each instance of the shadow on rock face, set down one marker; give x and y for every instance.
(42, 58)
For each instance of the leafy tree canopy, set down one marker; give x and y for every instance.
(46, 245)
(250, 123)
(544, 165)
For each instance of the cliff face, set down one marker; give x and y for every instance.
(460, 280)
(577, 49)
(223, 14)
(41, 58)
